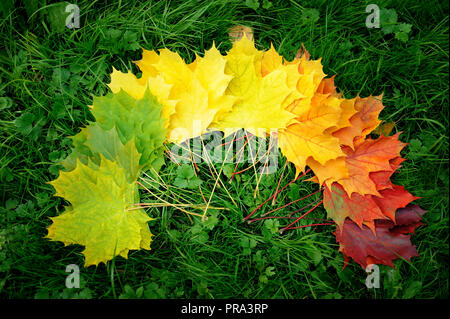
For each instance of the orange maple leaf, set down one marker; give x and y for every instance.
(307, 137)
(365, 209)
(361, 169)
(327, 86)
(369, 156)
(363, 122)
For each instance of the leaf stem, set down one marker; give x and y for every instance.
(310, 225)
(294, 222)
(293, 202)
(295, 179)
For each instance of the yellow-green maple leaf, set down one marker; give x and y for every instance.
(93, 140)
(137, 87)
(100, 217)
(138, 119)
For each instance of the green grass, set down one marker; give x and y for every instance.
(49, 76)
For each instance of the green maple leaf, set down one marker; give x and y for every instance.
(94, 140)
(99, 217)
(139, 119)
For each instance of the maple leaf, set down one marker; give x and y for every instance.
(272, 61)
(308, 138)
(362, 210)
(382, 178)
(327, 86)
(332, 171)
(352, 172)
(348, 110)
(99, 217)
(393, 198)
(408, 219)
(93, 141)
(138, 119)
(198, 89)
(260, 106)
(311, 75)
(147, 64)
(363, 122)
(137, 88)
(365, 209)
(369, 156)
(324, 112)
(320, 112)
(389, 242)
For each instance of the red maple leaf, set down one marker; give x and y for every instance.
(392, 199)
(390, 241)
(365, 209)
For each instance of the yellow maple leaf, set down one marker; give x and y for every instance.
(200, 91)
(272, 61)
(192, 95)
(146, 64)
(260, 106)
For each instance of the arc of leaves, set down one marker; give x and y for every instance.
(246, 88)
